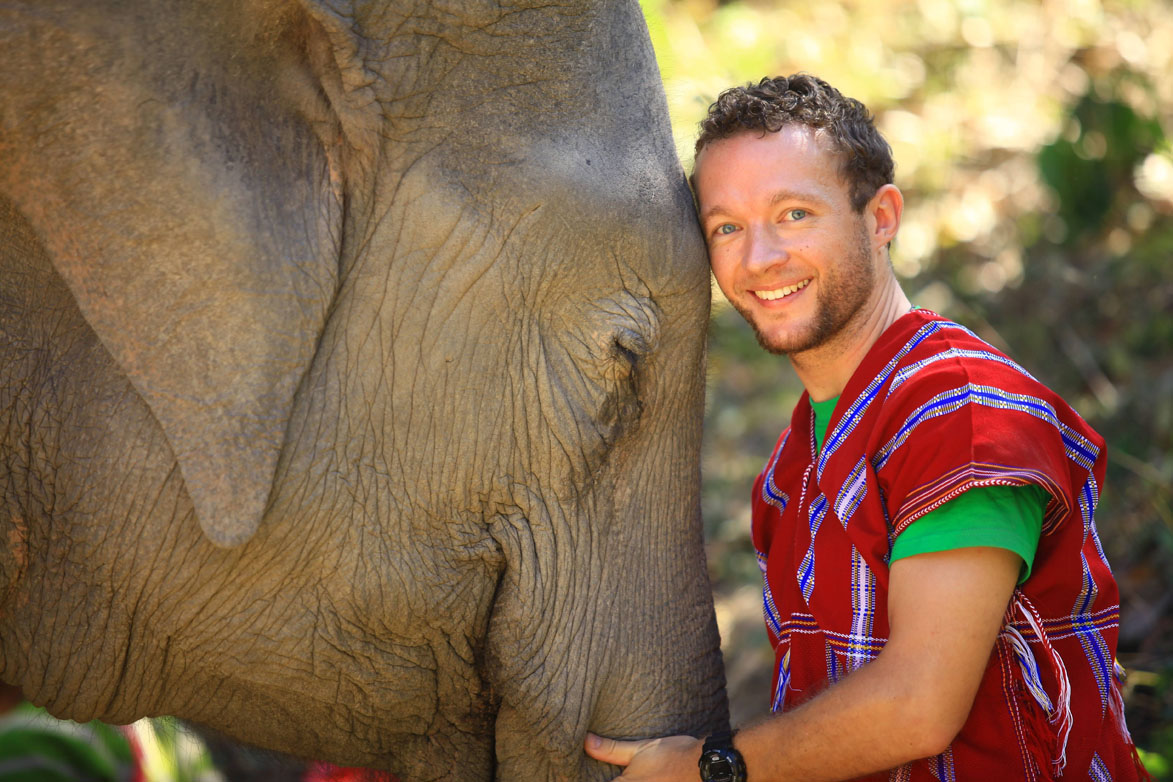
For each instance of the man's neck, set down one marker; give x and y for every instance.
(825, 370)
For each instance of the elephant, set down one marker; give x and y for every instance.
(351, 379)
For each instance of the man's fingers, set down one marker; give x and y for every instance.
(618, 753)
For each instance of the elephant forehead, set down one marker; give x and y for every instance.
(445, 266)
(558, 212)
(629, 176)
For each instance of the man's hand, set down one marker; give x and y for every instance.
(670, 759)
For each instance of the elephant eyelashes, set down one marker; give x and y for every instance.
(629, 347)
(636, 331)
(633, 332)
(622, 407)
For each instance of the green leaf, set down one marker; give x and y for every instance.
(44, 754)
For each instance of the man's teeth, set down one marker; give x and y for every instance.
(777, 294)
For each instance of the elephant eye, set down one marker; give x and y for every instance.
(623, 406)
(611, 356)
(629, 347)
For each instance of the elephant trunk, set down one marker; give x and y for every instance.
(604, 618)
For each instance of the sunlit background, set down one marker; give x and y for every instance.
(1032, 142)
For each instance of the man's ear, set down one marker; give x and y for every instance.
(884, 211)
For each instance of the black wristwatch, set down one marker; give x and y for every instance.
(720, 762)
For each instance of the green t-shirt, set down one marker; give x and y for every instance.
(1008, 517)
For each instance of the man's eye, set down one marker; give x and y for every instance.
(726, 228)
(796, 214)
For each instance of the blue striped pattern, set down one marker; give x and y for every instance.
(832, 660)
(942, 766)
(1029, 667)
(771, 495)
(862, 646)
(854, 645)
(1099, 770)
(985, 355)
(1067, 627)
(806, 570)
(783, 683)
(769, 610)
(901, 773)
(1089, 498)
(1079, 449)
(1095, 646)
(851, 494)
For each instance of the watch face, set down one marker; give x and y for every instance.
(717, 767)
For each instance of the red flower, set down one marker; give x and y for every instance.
(136, 752)
(328, 772)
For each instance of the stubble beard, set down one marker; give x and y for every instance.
(842, 292)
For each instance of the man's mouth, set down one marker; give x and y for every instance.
(779, 293)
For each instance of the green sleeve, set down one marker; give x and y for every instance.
(1009, 517)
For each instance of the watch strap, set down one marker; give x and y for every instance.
(722, 739)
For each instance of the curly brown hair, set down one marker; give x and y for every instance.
(801, 99)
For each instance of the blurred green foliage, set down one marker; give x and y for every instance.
(34, 747)
(1033, 146)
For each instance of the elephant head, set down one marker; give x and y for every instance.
(351, 375)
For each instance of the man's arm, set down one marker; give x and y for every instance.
(945, 610)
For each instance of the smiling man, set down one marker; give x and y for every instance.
(939, 603)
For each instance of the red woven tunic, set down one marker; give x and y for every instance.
(932, 411)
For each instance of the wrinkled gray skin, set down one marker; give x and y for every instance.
(352, 374)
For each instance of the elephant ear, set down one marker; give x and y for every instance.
(193, 218)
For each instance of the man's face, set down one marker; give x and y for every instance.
(787, 249)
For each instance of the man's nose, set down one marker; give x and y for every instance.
(764, 249)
